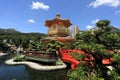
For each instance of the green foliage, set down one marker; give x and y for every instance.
(82, 73)
(59, 62)
(89, 47)
(76, 74)
(35, 46)
(13, 37)
(13, 79)
(54, 45)
(3, 46)
(107, 35)
(116, 57)
(98, 51)
(8, 31)
(96, 42)
(102, 23)
(116, 63)
(102, 34)
(19, 57)
(112, 39)
(114, 75)
(86, 36)
(77, 56)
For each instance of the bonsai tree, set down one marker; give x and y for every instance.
(106, 34)
(35, 46)
(112, 40)
(87, 37)
(103, 23)
(96, 42)
(54, 45)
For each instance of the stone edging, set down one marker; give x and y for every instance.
(37, 66)
(3, 54)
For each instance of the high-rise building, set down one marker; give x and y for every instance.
(75, 30)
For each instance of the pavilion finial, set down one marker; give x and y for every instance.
(57, 16)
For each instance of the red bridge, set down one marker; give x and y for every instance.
(66, 57)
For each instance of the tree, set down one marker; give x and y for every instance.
(86, 36)
(103, 23)
(112, 40)
(54, 45)
(96, 42)
(103, 27)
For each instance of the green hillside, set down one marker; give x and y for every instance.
(13, 37)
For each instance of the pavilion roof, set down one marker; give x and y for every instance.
(65, 22)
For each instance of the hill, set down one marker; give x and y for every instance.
(17, 35)
(115, 29)
(10, 30)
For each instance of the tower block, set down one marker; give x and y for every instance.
(76, 30)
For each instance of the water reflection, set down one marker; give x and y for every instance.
(48, 75)
(22, 72)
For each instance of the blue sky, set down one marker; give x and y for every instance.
(30, 15)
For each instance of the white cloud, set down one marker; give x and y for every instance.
(117, 12)
(95, 21)
(31, 21)
(89, 27)
(39, 5)
(112, 3)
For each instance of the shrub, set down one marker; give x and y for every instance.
(77, 56)
(19, 58)
(83, 73)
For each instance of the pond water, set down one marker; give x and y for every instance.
(23, 72)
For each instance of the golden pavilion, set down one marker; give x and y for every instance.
(58, 29)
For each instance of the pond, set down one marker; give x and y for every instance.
(23, 72)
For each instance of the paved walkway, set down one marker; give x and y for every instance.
(37, 66)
